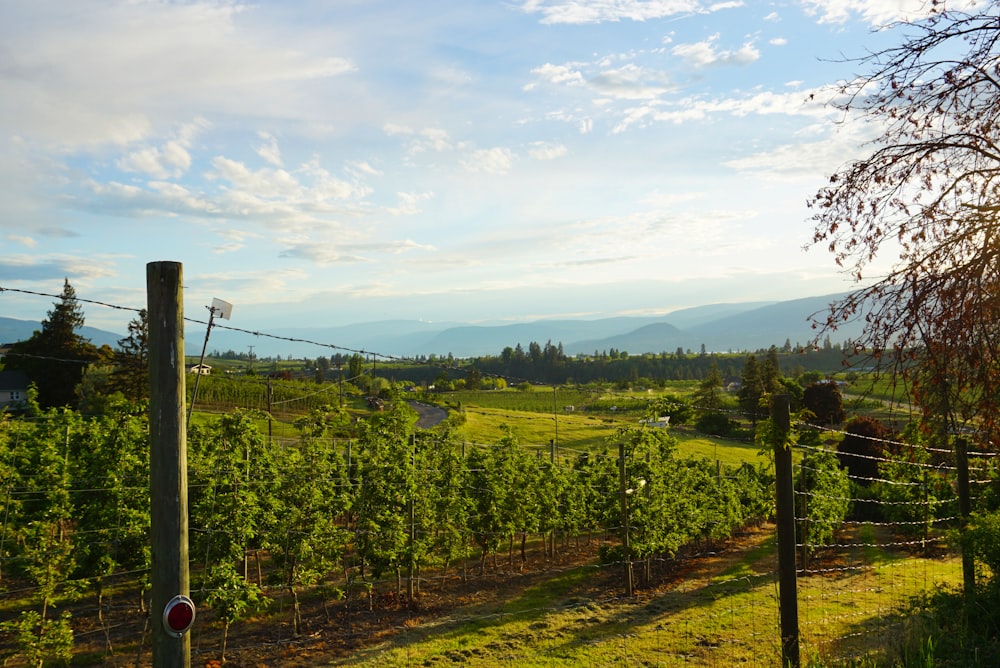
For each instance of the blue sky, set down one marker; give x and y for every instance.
(319, 163)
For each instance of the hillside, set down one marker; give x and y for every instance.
(717, 327)
(12, 330)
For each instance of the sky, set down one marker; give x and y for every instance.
(328, 162)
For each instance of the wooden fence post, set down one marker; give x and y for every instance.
(626, 547)
(785, 502)
(167, 457)
(964, 510)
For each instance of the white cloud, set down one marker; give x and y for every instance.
(545, 151)
(631, 82)
(393, 129)
(877, 12)
(491, 161)
(705, 53)
(597, 11)
(435, 140)
(30, 242)
(557, 74)
(409, 203)
(797, 103)
(92, 73)
(778, 41)
(363, 168)
(171, 160)
(330, 252)
(269, 150)
(811, 160)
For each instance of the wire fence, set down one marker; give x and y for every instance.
(559, 593)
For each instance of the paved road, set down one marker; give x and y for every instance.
(429, 415)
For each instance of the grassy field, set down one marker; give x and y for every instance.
(720, 610)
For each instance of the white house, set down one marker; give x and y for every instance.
(203, 369)
(13, 387)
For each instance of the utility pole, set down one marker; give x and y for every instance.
(167, 460)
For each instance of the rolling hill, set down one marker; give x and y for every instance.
(717, 327)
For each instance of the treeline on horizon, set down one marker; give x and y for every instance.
(547, 363)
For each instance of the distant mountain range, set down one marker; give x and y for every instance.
(12, 330)
(717, 327)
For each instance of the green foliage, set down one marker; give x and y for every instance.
(384, 472)
(672, 501)
(825, 502)
(862, 446)
(983, 537)
(824, 400)
(407, 501)
(913, 492)
(37, 639)
(55, 357)
(131, 374)
(714, 424)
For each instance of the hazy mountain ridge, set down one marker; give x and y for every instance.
(719, 327)
(12, 330)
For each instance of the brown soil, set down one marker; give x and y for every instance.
(334, 628)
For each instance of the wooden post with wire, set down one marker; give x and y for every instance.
(964, 510)
(623, 500)
(785, 506)
(167, 458)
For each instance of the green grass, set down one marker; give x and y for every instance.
(578, 432)
(723, 611)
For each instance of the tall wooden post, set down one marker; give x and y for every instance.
(167, 457)
(626, 545)
(964, 510)
(785, 506)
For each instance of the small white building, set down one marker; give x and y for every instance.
(13, 387)
(202, 369)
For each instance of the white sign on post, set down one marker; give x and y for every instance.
(221, 309)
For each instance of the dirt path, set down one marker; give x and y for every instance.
(430, 416)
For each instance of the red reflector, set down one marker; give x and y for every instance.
(178, 615)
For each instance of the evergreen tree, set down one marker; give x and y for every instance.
(55, 357)
(131, 374)
(709, 393)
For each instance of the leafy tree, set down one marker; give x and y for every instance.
(926, 194)
(44, 534)
(825, 402)
(231, 511)
(864, 444)
(386, 484)
(55, 357)
(109, 455)
(444, 511)
(306, 541)
(824, 499)
(714, 424)
(497, 486)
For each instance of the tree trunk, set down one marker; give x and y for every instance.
(225, 640)
(296, 613)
